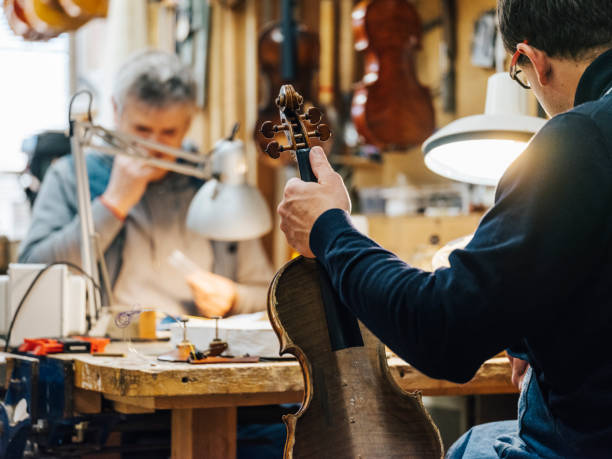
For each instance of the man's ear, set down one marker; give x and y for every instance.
(539, 60)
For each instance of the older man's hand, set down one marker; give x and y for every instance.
(128, 182)
(304, 202)
(214, 295)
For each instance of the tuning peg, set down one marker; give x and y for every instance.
(267, 129)
(313, 115)
(323, 132)
(274, 149)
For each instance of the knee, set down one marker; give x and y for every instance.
(457, 449)
(479, 441)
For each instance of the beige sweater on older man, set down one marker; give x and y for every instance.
(137, 249)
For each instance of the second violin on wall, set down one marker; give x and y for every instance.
(390, 108)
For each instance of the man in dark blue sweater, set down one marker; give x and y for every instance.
(537, 276)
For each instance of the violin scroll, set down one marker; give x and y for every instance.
(294, 123)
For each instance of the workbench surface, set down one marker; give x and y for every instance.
(203, 398)
(140, 374)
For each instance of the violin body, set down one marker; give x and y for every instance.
(390, 108)
(352, 406)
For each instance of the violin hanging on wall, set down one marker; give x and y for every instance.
(390, 108)
(352, 407)
(288, 53)
(36, 20)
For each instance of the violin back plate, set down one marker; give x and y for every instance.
(352, 407)
(390, 108)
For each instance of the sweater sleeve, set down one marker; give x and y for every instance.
(55, 230)
(535, 248)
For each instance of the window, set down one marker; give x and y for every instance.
(34, 89)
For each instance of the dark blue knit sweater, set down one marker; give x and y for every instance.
(536, 278)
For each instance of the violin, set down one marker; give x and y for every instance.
(17, 21)
(390, 108)
(288, 53)
(38, 20)
(352, 407)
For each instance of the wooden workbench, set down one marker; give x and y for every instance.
(204, 398)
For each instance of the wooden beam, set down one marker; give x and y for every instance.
(87, 401)
(225, 400)
(231, 54)
(147, 403)
(163, 402)
(346, 55)
(216, 104)
(123, 377)
(251, 77)
(326, 59)
(198, 433)
(126, 408)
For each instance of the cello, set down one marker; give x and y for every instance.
(390, 108)
(352, 407)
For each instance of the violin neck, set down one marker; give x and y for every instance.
(303, 160)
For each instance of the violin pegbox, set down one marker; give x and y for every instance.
(293, 123)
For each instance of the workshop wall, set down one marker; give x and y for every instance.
(233, 91)
(470, 91)
(235, 88)
(232, 78)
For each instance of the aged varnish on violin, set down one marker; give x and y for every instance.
(390, 108)
(352, 407)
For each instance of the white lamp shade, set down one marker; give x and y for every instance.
(226, 212)
(478, 149)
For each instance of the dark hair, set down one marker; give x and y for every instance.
(561, 28)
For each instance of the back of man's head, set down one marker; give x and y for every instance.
(157, 78)
(570, 29)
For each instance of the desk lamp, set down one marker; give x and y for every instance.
(478, 149)
(225, 208)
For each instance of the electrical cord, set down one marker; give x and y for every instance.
(71, 103)
(31, 286)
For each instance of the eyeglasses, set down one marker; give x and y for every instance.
(516, 73)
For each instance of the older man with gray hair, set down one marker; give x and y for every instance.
(140, 210)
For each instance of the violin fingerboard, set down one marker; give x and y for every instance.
(303, 160)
